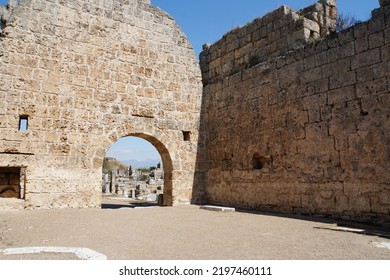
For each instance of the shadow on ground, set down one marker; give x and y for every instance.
(335, 224)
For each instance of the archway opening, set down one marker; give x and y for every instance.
(136, 172)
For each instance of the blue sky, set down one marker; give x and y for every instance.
(205, 21)
(133, 148)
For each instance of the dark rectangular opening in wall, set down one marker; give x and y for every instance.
(187, 135)
(23, 123)
(12, 182)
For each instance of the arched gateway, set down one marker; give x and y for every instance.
(166, 163)
(75, 76)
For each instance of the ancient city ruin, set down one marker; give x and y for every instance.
(125, 181)
(283, 114)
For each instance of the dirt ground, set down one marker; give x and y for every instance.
(185, 232)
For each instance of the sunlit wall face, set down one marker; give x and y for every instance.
(75, 83)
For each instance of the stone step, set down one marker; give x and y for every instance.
(217, 208)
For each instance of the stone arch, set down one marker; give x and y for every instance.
(166, 160)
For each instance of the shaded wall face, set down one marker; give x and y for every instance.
(308, 132)
(84, 74)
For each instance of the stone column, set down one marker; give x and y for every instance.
(113, 182)
(106, 183)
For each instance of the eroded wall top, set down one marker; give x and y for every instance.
(273, 35)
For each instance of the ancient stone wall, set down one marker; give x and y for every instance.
(83, 74)
(305, 131)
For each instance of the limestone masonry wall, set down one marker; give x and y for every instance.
(300, 128)
(84, 74)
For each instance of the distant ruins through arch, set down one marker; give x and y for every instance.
(166, 162)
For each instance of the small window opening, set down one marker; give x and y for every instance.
(259, 162)
(187, 135)
(23, 123)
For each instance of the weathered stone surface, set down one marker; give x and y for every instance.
(275, 34)
(384, 2)
(318, 116)
(86, 73)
